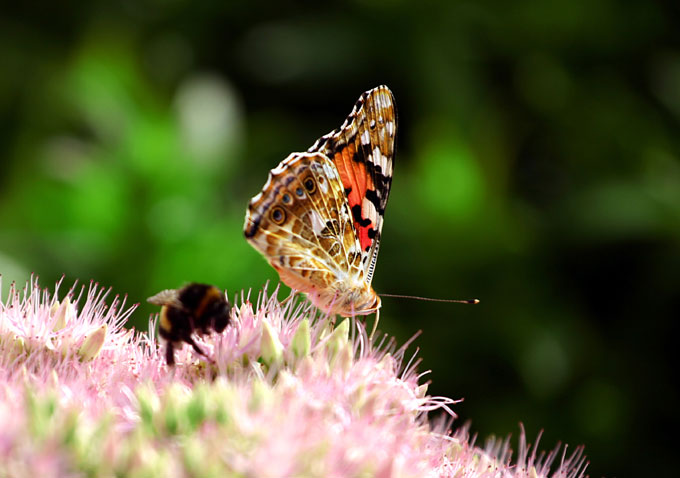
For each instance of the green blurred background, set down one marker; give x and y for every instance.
(537, 169)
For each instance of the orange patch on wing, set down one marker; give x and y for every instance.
(354, 176)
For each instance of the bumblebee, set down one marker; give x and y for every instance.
(195, 308)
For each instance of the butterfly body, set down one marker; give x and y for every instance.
(319, 216)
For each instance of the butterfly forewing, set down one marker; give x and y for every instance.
(363, 152)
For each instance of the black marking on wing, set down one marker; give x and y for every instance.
(356, 214)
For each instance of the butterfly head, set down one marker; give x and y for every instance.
(369, 303)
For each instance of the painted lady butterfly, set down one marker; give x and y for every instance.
(319, 215)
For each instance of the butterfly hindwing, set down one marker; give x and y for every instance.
(301, 223)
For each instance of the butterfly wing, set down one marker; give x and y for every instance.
(362, 150)
(301, 223)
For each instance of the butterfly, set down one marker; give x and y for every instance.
(319, 216)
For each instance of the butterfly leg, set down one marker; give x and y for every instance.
(375, 325)
(293, 295)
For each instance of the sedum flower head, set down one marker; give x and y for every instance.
(287, 393)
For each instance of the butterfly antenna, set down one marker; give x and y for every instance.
(429, 299)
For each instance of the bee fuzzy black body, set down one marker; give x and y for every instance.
(195, 308)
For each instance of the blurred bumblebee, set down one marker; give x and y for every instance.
(195, 308)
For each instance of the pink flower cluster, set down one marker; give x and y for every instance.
(287, 393)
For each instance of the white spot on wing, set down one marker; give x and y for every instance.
(323, 185)
(330, 172)
(256, 198)
(317, 222)
(369, 211)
